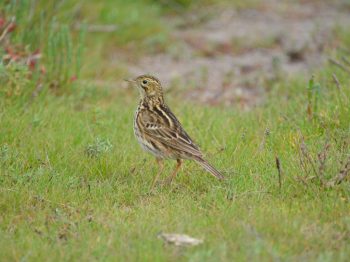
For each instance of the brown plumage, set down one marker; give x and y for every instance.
(159, 132)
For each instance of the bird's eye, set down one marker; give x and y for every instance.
(144, 82)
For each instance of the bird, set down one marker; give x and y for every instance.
(160, 133)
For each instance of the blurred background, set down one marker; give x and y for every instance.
(216, 52)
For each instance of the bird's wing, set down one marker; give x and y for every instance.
(162, 125)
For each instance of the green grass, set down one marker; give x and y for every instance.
(57, 199)
(74, 184)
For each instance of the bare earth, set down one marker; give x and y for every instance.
(230, 56)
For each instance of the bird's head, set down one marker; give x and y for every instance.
(149, 86)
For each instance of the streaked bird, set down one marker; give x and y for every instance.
(159, 132)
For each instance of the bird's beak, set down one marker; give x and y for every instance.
(132, 81)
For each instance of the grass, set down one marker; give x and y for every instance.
(74, 184)
(58, 199)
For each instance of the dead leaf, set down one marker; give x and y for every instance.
(180, 239)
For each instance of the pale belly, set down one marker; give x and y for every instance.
(146, 145)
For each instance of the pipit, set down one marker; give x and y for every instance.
(159, 132)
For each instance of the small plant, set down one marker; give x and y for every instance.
(98, 147)
(8, 156)
(15, 79)
(4, 152)
(63, 59)
(313, 96)
(40, 42)
(315, 168)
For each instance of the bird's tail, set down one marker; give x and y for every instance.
(209, 168)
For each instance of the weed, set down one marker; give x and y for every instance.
(99, 147)
(313, 97)
(15, 80)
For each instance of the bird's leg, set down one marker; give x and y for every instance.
(176, 170)
(161, 167)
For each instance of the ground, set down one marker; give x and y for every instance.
(227, 56)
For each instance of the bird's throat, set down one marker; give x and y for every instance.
(152, 101)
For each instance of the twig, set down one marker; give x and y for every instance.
(345, 50)
(37, 90)
(346, 61)
(343, 173)
(300, 178)
(335, 62)
(4, 33)
(278, 165)
(231, 196)
(336, 81)
(306, 154)
(322, 158)
(302, 162)
(97, 28)
(38, 197)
